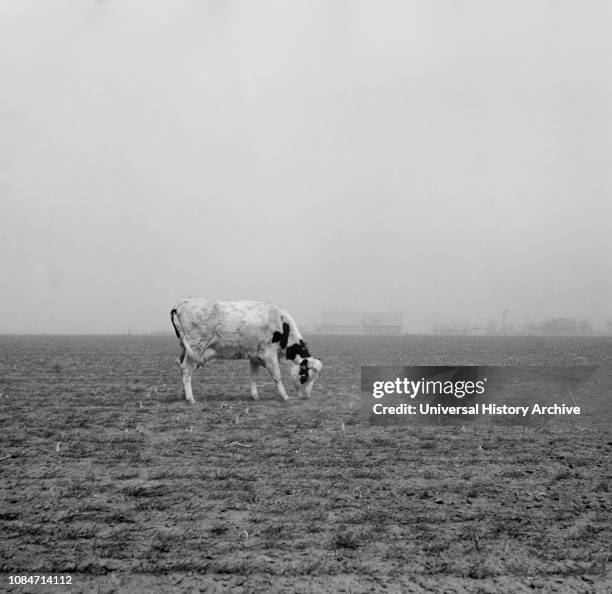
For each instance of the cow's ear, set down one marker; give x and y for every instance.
(304, 371)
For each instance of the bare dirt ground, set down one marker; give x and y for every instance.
(108, 476)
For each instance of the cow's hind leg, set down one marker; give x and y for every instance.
(188, 366)
(255, 365)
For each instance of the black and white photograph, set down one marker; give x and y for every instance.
(305, 296)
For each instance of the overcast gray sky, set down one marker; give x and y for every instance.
(445, 159)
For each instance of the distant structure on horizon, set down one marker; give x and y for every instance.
(548, 327)
(360, 322)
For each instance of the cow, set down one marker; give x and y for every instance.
(253, 330)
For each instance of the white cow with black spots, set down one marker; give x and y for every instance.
(253, 330)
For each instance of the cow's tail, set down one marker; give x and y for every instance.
(180, 334)
(175, 323)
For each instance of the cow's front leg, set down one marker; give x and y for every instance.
(271, 363)
(255, 365)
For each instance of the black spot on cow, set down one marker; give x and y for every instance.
(282, 338)
(303, 371)
(297, 349)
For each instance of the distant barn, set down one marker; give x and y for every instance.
(382, 322)
(359, 322)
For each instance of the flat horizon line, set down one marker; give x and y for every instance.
(593, 334)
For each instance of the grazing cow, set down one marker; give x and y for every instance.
(252, 330)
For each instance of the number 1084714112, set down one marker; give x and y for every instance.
(47, 580)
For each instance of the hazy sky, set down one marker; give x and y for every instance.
(445, 159)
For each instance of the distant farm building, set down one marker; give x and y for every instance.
(341, 322)
(383, 322)
(359, 322)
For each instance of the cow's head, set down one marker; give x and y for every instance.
(304, 372)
